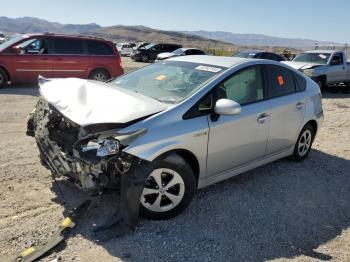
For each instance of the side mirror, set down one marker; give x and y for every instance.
(227, 107)
(17, 50)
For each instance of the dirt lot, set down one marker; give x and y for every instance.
(282, 211)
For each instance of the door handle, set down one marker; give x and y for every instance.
(300, 105)
(262, 118)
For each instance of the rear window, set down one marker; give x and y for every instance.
(280, 81)
(66, 46)
(99, 48)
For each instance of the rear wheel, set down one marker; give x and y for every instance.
(168, 190)
(304, 143)
(3, 78)
(100, 75)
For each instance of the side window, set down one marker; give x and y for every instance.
(99, 48)
(280, 81)
(300, 82)
(245, 86)
(157, 48)
(337, 59)
(34, 47)
(66, 46)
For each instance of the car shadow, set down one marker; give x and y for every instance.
(27, 90)
(281, 210)
(336, 92)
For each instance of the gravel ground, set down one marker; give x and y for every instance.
(284, 211)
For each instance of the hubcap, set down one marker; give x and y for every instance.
(100, 77)
(304, 143)
(164, 189)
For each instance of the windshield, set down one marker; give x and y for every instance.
(319, 58)
(245, 54)
(10, 42)
(167, 82)
(149, 46)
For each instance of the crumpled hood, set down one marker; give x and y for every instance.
(301, 65)
(88, 102)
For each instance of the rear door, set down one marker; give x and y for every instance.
(336, 69)
(34, 60)
(287, 108)
(69, 58)
(239, 139)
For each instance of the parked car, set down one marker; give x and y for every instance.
(125, 49)
(260, 55)
(151, 51)
(325, 67)
(175, 126)
(24, 57)
(180, 52)
(2, 37)
(140, 45)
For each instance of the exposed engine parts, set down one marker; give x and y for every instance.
(94, 163)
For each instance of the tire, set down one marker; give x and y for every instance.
(3, 78)
(100, 75)
(304, 143)
(145, 58)
(321, 82)
(166, 170)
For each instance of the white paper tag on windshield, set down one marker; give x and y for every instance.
(322, 56)
(208, 68)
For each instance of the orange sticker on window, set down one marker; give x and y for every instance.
(280, 80)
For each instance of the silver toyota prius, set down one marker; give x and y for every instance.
(163, 131)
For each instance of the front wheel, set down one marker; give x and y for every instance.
(3, 78)
(145, 58)
(304, 143)
(168, 190)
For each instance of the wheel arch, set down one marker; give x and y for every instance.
(7, 72)
(187, 156)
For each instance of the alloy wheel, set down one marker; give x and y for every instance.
(304, 143)
(100, 77)
(164, 190)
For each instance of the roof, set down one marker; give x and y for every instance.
(322, 51)
(223, 61)
(251, 51)
(63, 35)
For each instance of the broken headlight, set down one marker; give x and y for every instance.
(103, 147)
(111, 146)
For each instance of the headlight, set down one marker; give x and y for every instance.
(308, 72)
(103, 147)
(111, 145)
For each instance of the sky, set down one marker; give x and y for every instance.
(327, 20)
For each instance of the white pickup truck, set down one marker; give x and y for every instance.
(325, 67)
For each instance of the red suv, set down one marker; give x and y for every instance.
(25, 57)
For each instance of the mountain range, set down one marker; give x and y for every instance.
(205, 39)
(258, 39)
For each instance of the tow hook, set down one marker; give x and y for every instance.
(35, 252)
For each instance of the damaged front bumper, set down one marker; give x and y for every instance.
(78, 153)
(66, 149)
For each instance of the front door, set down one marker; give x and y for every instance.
(240, 139)
(34, 60)
(336, 69)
